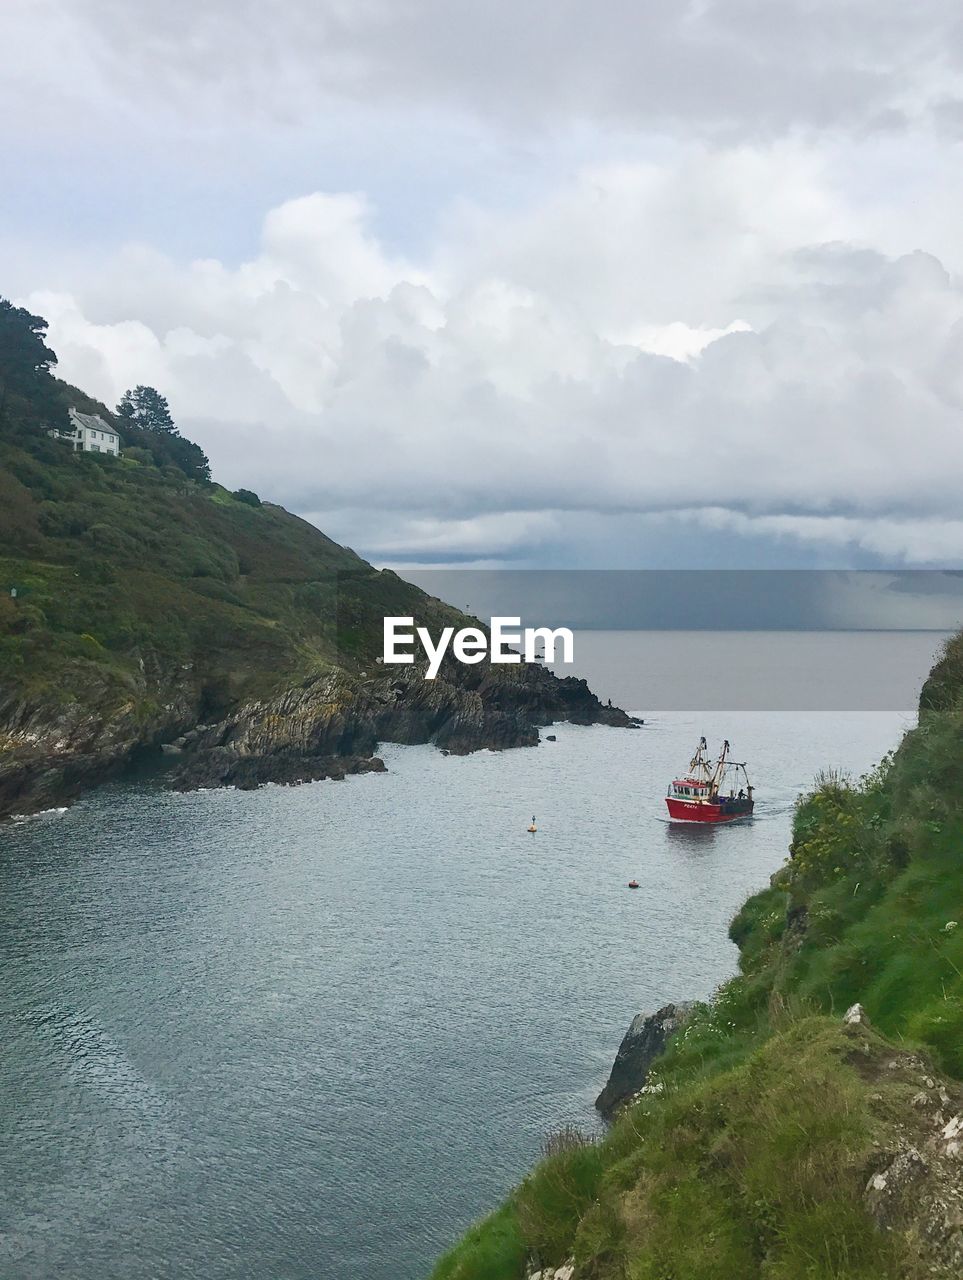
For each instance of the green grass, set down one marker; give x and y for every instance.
(756, 1170)
(752, 1161)
(492, 1250)
(121, 565)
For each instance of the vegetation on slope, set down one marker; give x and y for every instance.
(752, 1155)
(142, 604)
(111, 556)
(113, 560)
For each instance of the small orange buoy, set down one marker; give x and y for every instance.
(533, 827)
(633, 884)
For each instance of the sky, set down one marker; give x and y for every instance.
(623, 285)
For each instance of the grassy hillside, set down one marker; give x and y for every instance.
(120, 561)
(141, 604)
(138, 600)
(753, 1156)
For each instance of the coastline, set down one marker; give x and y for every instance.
(325, 727)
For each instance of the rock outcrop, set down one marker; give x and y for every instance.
(333, 719)
(645, 1040)
(565, 1272)
(54, 747)
(326, 727)
(914, 1183)
(222, 767)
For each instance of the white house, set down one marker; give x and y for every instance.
(89, 432)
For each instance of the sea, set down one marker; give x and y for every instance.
(312, 1033)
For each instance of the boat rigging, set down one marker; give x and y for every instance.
(711, 791)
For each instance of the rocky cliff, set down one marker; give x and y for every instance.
(52, 748)
(332, 723)
(324, 726)
(644, 1042)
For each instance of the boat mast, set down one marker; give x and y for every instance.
(724, 763)
(716, 781)
(699, 766)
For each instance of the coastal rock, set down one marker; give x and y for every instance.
(222, 767)
(855, 1016)
(565, 1272)
(913, 1187)
(644, 1041)
(327, 726)
(886, 1190)
(53, 749)
(301, 734)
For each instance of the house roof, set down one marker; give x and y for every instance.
(92, 421)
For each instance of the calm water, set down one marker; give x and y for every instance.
(313, 1032)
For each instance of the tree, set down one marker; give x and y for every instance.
(168, 449)
(145, 419)
(29, 398)
(189, 458)
(146, 408)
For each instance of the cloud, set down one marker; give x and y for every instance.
(741, 68)
(923, 541)
(489, 397)
(566, 282)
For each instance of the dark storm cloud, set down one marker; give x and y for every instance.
(720, 599)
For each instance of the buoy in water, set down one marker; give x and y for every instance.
(633, 884)
(533, 827)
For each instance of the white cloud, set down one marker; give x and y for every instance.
(484, 397)
(678, 340)
(645, 263)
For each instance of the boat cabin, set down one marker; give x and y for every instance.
(689, 789)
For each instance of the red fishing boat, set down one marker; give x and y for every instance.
(716, 791)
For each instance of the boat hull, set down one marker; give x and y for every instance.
(708, 811)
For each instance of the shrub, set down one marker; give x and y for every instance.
(551, 1201)
(64, 519)
(108, 538)
(16, 617)
(142, 456)
(830, 835)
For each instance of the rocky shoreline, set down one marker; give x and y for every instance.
(328, 726)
